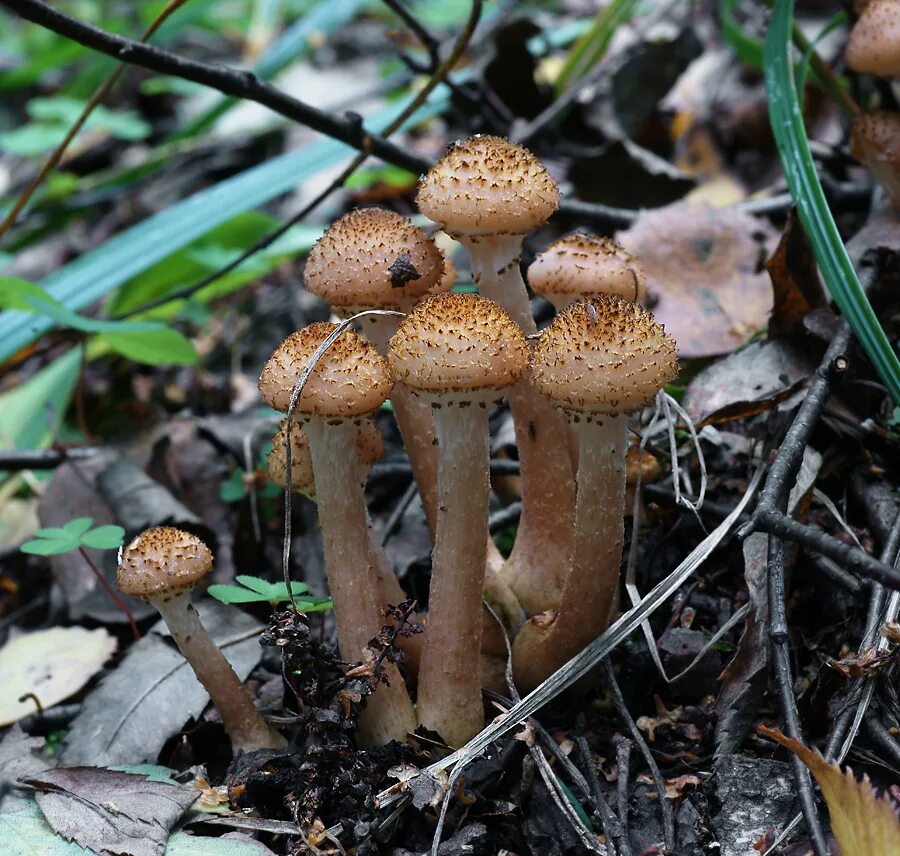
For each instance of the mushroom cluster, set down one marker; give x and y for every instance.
(446, 360)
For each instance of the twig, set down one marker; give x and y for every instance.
(57, 154)
(607, 817)
(781, 668)
(44, 459)
(882, 738)
(429, 42)
(623, 748)
(668, 819)
(120, 604)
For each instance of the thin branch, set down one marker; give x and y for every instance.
(429, 42)
(120, 604)
(57, 154)
(229, 81)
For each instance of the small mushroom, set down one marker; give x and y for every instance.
(458, 352)
(875, 142)
(599, 360)
(161, 566)
(582, 265)
(488, 192)
(348, 382)
(874, 44)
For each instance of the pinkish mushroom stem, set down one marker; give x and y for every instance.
(589, 590)
(388, 714)
(449, 699)
(247, 729)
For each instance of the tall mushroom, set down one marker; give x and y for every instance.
(458, 352)
(583, 265)
(599, 360)
(370, 445)
(488, 192)
(161, 566)
(348, 382)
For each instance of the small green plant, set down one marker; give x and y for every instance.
(256, 590)
(74, 535)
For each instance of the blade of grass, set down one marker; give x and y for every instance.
(803, 183)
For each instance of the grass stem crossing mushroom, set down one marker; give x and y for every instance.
(161, 566)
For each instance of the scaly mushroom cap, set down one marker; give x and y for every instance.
(162, 561)
(448, 280)
(581, 265)
(604, 355)
(874, 44)
(372, 259)
(488, 186)
(349, 380)
(369, 442)
(459, 345)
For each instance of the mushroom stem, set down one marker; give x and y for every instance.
(388, 714)
(449, 696)
(539, 562)
(416, 424)
(547, 642)
(243, 722)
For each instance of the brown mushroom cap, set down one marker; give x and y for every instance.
(488, 186)
(372, 258)
(582, 265)
(877, 134)
(460, 344)
(369, 442)
(161, 561)
(349, 380)
(874, 44)
(603, 355)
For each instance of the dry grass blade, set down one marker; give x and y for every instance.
(582, 663)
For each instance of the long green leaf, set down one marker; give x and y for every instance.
(800, 173)
(97, 272)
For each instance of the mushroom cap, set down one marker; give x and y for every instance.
(875, 142)
(349, 380)
(369, 442)
(582, 265)
(874, 44)
(458, 345)
(162, 561)
(604, 355)
(372, 258)
(448, 280)
(488, 186)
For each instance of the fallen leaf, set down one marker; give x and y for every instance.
(863, 823)
(704, 269)
(20, 755)
(863, 664)
(752, 380)
(50, 664)
(663, 717)
(676, 787)
(25, 832)
(153, 692)
(111, 812)
(795, 280)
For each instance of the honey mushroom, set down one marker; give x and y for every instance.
(350, 381)
(599, 360)
(459, 353)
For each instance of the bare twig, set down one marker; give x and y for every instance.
(623, 747)
(111, 592)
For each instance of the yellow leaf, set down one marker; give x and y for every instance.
(863, 823)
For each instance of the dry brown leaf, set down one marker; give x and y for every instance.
(795, 280)
(863, 823)
(704, 269)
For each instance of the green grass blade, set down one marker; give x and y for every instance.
(800, 173)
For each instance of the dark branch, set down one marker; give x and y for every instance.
(229, 81)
